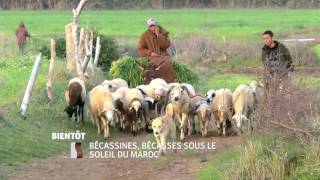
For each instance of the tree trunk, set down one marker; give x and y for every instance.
(71, 64)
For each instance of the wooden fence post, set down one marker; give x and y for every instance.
(50, 72)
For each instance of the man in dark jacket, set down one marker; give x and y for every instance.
(276, 59)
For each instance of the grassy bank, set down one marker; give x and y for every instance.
(25, 139)
(265, 156)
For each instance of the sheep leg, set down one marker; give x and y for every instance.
(92, 119)
(163, 144)
(201, 126)
(133, 127)
(224, 128)
(105, 126)
(82, 111)
(206, 128)
(200, 123)
(156, 110)
(219, 127)
(190, 125)
(183, 120)
(75, 113)
(173, 134)
(97, 119)
(159, 144)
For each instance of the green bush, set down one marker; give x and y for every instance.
(128, 70)
(108, 51)
(60, 48)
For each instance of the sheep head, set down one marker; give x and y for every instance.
(210, 95)
(135, 108)
(70, 110)
(204, 111)
(179, 92)
(160, 92)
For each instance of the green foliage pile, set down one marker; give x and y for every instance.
(127, 69)
(184, 74)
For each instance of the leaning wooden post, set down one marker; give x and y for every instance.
(90, 65)
(50, 73)
(97, 52)
(87, 56)
(28, 92)
(81, 45)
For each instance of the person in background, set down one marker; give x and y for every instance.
(22, 34)
(153, 45)
(277, 61)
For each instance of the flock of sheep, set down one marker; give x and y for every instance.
(113, 103)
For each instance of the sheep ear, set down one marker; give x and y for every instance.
(186, 89)
(197, 107)
(213, 95)
(169, 90)
(143, 93)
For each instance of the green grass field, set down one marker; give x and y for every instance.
(243, 24)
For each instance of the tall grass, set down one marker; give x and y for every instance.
(276, 157)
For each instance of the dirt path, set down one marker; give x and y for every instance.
(180, 165)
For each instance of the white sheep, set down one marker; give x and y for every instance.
(147, 90)
(157, 90)
(102, 109)
(132, 104)
(221, 107)
(149, 104)
(159, 81)
(243, 104)
(113, 85)
(184, 107)
(259, 90)
(204, 113)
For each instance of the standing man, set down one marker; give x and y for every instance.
(22, 34)
(153, 45)
(277, 61)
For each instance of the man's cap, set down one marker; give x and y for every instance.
(152, 22)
